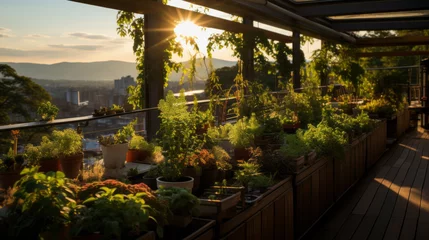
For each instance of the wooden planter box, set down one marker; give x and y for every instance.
(198, 229)
(217, 208)
(403, 122)
(313, 194)
(350, 169)
(270, 218)
(376, 144)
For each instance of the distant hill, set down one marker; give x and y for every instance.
(107, 70)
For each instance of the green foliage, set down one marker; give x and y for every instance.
(42, 202)
(262, 181)
(47, 150)
(139, 143)
(222, 158)
(325, 140)
(47, 111)
(294, 146)
(18, 94)
(117, 108)
(132, 172)
(379, 106)
(68, 142)
(180, 201)
(244, 131)
(177, 135)
(115, 216)
(248, 171)
(122, 136)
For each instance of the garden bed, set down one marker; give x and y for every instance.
(270, 218)
(376, 144)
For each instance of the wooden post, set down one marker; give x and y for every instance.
(248, 53)
(296, 61)
(157, 31)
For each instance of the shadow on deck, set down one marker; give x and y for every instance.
(390, 202)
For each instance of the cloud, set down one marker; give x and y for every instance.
(120, 41)
(11, 52)
(89, 36)
(2, 29)
(76, 47)
(37, 36)
(2, 35)
(3, 32)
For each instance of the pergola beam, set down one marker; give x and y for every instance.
(176, 14)
(392, 54)
(393, 24)
(392, 41)
(361, 7)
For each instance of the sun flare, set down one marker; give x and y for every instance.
(187, 29)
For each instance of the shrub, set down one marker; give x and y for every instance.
(294, 146)
(68, 142)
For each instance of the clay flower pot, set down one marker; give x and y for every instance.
(50, 165)
(134, 155)
(8, 179)
(71, 165)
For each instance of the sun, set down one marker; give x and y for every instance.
(187, 29)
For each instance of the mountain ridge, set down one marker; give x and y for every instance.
(100, 70)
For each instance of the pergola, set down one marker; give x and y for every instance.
(328, 20)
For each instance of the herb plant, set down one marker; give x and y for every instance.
(68, 142)
(122, 136)
(180, 201)
(244, 131)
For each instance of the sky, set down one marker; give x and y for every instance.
(51, 31)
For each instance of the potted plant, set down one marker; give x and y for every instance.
(206, 161)
(139, 150)
(223, 162)
(242, 136)
(289, 121)
(99, 112)
(261, 183)
(41, 206)
(45, 155)
(294, 150)
(117, 108)
(178, 139)
(114, 216)
(181, 203)
(246, 173)
(47, 111)
(115, 148)
(69, 146)
(10, 167)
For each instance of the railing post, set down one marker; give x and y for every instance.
(157, 31)
(296, 60)
(248, 53)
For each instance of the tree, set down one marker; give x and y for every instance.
(18, 94)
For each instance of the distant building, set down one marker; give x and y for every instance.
(73, 97)
(121, 85)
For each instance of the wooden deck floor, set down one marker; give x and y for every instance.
(390, 202)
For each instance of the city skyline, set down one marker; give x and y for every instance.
(52, 31)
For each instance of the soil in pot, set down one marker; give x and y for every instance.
(8, 179)
(134, 155)
(50, 165)
(183, 182)
(208, 178)
(71, 165)
(241, 154)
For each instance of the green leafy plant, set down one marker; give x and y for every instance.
(247, 173)
(47, 150)
(261, 181)
(42, 202)
(122, 136)
(180, 201)
(132, 172)
(11, 162)
(139, 143)
(47, 111)
(379, 106)
(115, 215)
(117, 108)
(222, 158)
(294, 146)
(244, 131)
(68, 142)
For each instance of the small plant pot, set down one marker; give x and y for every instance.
(222, 203)
(183, 182)
(114, 155)
(241, 154)
(8, 179)
(134, 155)
(150, 182)
(208, 178)
(50, 165)
(180, 221)
(252, 199)
(71, 165)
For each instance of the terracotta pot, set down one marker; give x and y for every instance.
(241, 154)
(134, 155)
(8, 179)
(114, 155)
(50, 165)
(184, 182)
(208, 178)
(71, 165)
